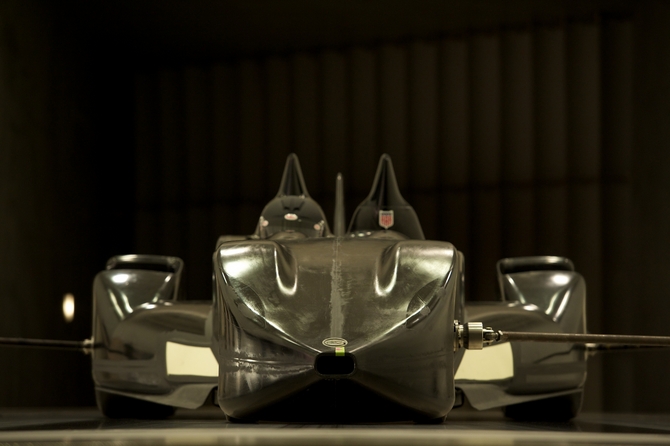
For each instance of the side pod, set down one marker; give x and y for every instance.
(128, 282)
(152, 351)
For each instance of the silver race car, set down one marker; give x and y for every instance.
(364, 324)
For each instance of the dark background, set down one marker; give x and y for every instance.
(516, 128)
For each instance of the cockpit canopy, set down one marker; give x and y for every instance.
(292, 211)
(292, 214)
(385, 207)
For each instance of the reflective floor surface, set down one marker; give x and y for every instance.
(207, 426)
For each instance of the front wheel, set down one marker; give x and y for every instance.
(118, 406)
(438, 420)
(558, 408)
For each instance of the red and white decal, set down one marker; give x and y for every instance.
(385, 219)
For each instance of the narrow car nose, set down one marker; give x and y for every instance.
(331, 365)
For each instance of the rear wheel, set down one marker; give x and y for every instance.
(240, 420)
(558, 408)
(117, 406)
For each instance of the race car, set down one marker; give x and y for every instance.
(366, 324)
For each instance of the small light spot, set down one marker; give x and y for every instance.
(120, 278)
(68, 307)
(560, 279)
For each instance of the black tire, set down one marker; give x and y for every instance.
(240, 420)
(438, 420)
(558, 408)
(118, 406)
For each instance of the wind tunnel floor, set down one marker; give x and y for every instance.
(208, 426)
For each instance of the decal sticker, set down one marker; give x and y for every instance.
(385, 219)
(334, 342)
(339, 351)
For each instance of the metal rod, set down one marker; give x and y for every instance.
(47, 343)
(618, 347)
(602, 339)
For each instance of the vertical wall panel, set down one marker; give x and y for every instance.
(335, 125)
(550, 141)
(485, 164)
(617, 252)
(423, 112)
(198, 133)
(455, 143)
(252, 138)
(306, 119)
(517, 158)
(278, 78)
(224, 149)
(650, 205)
(252, 126)
(172, 159)
(584, 155)
(364, 138)
(393, 108)
(147, 155)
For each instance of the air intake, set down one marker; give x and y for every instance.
(332, 366)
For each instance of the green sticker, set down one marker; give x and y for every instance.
(339, 351)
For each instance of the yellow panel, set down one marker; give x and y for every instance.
(491, 363)
(183, 359)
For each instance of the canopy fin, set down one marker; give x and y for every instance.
(385, 191)
(338, 217)
(292, 181)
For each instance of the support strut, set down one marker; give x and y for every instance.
(474, 336)
(84, 345)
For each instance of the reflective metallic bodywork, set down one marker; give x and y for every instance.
(279, 300)
(540, 294)
(304, 325)
(137, 313)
